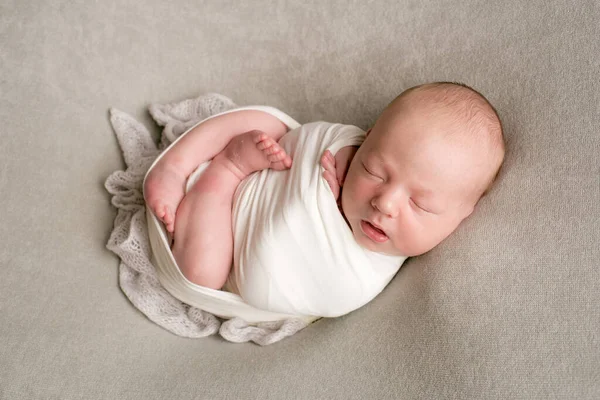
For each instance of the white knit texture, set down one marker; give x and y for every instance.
(129, 239)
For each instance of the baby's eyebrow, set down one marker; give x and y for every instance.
(375, 158)
(424, 190)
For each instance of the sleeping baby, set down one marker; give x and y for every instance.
(317, 219)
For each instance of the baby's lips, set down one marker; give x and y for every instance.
(374, 232)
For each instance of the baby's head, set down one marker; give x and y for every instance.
(431, 155)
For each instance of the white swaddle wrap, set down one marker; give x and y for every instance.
(294, 254)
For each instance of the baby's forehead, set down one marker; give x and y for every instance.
(439, 156)
(422, 125)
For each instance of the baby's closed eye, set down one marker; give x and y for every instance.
(419, 206)
(370, 172)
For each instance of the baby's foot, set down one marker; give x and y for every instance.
(163, 191)
(254, 151)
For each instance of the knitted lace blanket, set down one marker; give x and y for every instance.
(129, 238)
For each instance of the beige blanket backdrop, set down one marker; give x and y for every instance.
(507, 308)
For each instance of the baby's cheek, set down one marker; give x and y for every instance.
(409, 238)
(419, 241)
(346, 202)
(350, 197)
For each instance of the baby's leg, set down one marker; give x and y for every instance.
(164, 187)
(203, 246)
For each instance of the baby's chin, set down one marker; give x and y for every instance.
(393, 252)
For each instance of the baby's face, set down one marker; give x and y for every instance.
(408, 187)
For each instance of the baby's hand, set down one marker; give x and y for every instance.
(336, 167)
(330, 174)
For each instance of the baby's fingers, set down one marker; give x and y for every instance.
(331, 179)
(328, 161)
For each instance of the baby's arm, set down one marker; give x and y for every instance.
(164, 186)
(336, 167)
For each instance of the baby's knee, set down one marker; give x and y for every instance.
(201, 277)
(203, 280)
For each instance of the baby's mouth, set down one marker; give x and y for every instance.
(372, 232)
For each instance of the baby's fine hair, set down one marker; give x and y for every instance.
(466, 105)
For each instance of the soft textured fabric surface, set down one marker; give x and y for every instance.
(507, 308)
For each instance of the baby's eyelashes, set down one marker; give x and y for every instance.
(419, 207)
(373, 175)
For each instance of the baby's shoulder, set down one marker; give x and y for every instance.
(326, 125)
(318, 125)
(332, 130)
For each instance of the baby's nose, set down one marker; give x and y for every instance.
(387, 205)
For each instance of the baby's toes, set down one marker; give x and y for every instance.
(263, 141)
(164, 215)
(259, 135)
(284, 163)
(160, 213)
(287, 161)
(158, 209)
(170, 223)
(274, 150)
(170, 227)
(275, 154)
